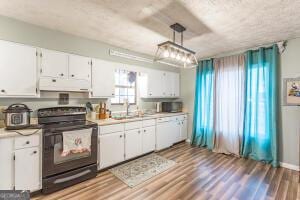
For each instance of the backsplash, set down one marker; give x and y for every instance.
(50, 99)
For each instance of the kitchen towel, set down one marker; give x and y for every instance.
(77, 141)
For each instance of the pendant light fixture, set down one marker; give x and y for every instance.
(174, 53)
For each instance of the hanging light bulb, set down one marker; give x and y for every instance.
(188, 60)
(172, 54)
(178, 57)
(166, 52)
(183, 58)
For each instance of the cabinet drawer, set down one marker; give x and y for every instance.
(149, 122)
(182, 117)
(133, 125)
(163, 119)
(111, 128)
(27, 141)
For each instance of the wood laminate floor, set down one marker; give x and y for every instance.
(198, 174)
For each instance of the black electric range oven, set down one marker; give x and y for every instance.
(60, 171)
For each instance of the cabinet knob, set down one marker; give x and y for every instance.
(27, 142)
(112, 93)
(61, 74)
(53, 80)
(34, 152)
(72, 75)
(121, 136)
(3, 90)
(150, 94)
(144, 131)
(139, 131)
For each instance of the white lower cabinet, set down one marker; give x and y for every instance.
(183, 130)
(111, 149)
(148, 135)
(27, 169)
(20, 166)
(120, 142)
(6, 163)
(133, 143)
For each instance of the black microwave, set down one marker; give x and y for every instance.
(171, 107)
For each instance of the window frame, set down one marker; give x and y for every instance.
(123, 86)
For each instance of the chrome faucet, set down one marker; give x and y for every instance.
(127, 104)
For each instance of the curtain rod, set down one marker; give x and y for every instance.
(241, 51)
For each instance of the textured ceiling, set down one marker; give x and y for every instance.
(213, 26)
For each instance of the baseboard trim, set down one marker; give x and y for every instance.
(290, 166)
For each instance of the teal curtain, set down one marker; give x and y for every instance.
(260, 120)
(203, 110)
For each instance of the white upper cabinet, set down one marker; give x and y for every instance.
(18, 66)
(159, 84)
(171, 83)
(54, 64)
(64, 72)
(103, 78)
(79, 67)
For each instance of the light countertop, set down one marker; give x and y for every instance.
(103, 122)
(13, 133)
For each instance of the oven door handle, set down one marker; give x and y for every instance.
(62, 180)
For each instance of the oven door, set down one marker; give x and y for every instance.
(54, 162)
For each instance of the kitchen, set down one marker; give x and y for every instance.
(110, 112)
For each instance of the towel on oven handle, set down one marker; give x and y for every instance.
(77, 141)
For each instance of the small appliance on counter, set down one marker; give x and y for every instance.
(158, 107)
(171, 107)
(102, 111)
(17, 116)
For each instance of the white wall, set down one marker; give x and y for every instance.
(289, 136)
(289, 139)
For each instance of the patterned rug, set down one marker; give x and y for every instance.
(142, 169)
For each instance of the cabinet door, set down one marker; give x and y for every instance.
(168, 84)
(148, 139)
(183, 130)
(133, 143)
(176, 85)
(171, 81)
(27, 169)
(164, 135)
(54, 64)
(18, 66)
(79, 67)
(155, 84)
(103, 78)
(6, 163)
(111, 149)
(175, 133)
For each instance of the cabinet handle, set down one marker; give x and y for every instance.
(112, 93)
(144, 131)
(34, 152)
(53, 80)
(139, 132)
(61, 74)
(3, 90)
(150, 94)
(27, 142)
